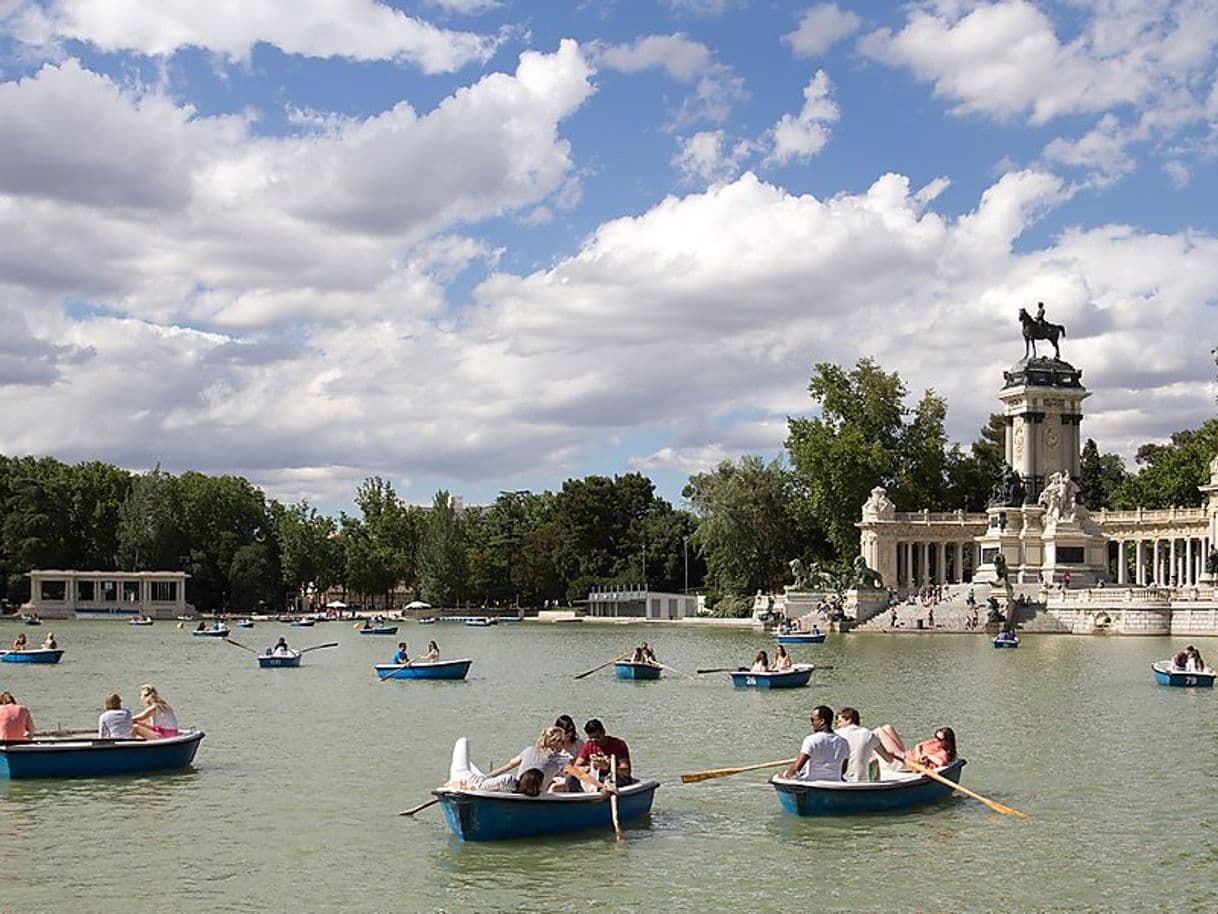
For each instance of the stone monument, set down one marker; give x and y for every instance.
(1036, 522)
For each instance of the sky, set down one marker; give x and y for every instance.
(488, 245)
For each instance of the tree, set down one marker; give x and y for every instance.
(253, 577)
(442, 553)
(1170, 473)
(747, 531)
(1099, 476)
(149, 527)
(971, 478)
(310, 551)
(600, 539)
(394, 531)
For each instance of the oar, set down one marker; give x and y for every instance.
(722, 669)
(673, 669)
(586, 777)
(413, 809)
(992, 804)
(603, 665)
(724, 772)
(386, 675)
(318, 647)
(240, 645)
(617, 826)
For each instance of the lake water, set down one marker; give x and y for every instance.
(291, 804)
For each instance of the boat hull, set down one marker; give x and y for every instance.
(1001, 644)
(383, 630)
(479, 816)
(139, 621)
(211, 633)
(1165, 676)
(272, 662)
(32, 656)
(425, 669)
(801, 639)
(626, 670)
(794, 678)
(842, 798)
(90, 758)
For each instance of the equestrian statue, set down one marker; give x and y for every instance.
(1037, 328)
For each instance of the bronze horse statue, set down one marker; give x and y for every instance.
(1034, 330)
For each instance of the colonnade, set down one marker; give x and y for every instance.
(924, 562)
(1167, 561)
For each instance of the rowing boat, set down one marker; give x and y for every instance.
(381, 630)
(1001, 643)
(899, 790)
(477, 815)
(32, 655)
(273, 661)
(86, 757)
(481, 622)
(1165, 675)
(628, 669)
(794, 678)
(140, 620)
(425, 669)
(801, 638)
(211, 632)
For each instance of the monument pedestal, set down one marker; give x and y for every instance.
(1074, 546)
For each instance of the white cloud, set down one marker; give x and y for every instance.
(1103, 151)
(821, 27)
(804, 135)
(703, 157)
(1178, 173)
(467, 7)
(354, 29)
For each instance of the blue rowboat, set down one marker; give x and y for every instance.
(847, 798)
(1001, 643)
(383, 630)
(1165, 676)
(425, 669)
(800, 638)
(77, 757)
(476, 815)
(271, 661)
(626, 669)
(211, 632)
(303, 623)
(245, 623)
(38, 655)
(481, 622)
(518, 618)
(794, 678)
(29, 621)
(428, 620)
(144, 621)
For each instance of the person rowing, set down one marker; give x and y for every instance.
(19, 643)
(644, 654)
(49, 643)
(280, 649)
(400, 656)
(599, 748)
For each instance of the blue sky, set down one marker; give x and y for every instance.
(492, 245)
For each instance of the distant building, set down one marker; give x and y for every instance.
(641, 603)
(102, 594)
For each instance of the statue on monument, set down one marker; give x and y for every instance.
(1037, 328)
(1008, 492)
(879, 505)
(866, 578)
(1059, 498)
(808, 577)
(1211, 561)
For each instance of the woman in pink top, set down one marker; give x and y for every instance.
(15, 720)
(157, 720)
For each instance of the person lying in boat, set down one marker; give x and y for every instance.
(761, 663)
(782, 660)
(400, 656)
(433, 651)
(464, 775)
(15, 720)
(599, 748)
(115, 721)
(935, 752)
(863, 743)
(823, 754)
(546, 755)
(19, 643)
(157, 720)
(49, 643)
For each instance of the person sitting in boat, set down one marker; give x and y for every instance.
(15, 720)
(202, 626)
(400, 656)
(464, 774)
(157, 720)
(1179, 663)
(115, 721)
(782, 660)
(19, 643)
(1007, 634)
(815, 629)
(545, 755)
(599, 748)
(280, 649)
(367, 624)
(761, 663)
(433, 651)
(935, 752)
(823, 754)
(863, 743)
(49, 643)
(1193, 662)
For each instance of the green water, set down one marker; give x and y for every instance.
(291, 803)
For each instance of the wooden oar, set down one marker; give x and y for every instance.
(386, 675)
(410, 812)
(722, 669)
(240, 645)
(724, 772)
(617, 826)
(665, 666)
(992, 804)
(318, 647)
(603, 665)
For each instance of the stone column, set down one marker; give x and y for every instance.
(958, 571)
(941, 559)
(1122, 562)
(909, 577)
(1175, 566)
(1190, 569)
(924, 563)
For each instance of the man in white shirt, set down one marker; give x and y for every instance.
(862, 742)
(823, 754)
(115, 721)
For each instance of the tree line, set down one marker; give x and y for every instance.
(744, 521)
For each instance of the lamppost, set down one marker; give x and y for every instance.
(685, 545)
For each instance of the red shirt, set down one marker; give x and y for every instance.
(609, 745)
(14, 722)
